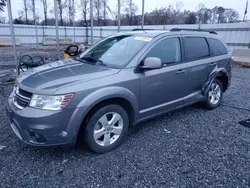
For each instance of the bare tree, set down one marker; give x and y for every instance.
(178, 6)
(218, 15)
(130, 10)
(62, 4)
(104, 2)
(31, 9)
(200, 12)
(114, 13)
(70, 12)
(177, 12)
(45, 11)
(191, 19)
(231, 15)
(98, 7)
(85, 10)
(220, 12)
(157, 16)
(2, 5)
(25, 4)
(207, 16)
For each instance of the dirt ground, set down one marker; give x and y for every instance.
(47, 52)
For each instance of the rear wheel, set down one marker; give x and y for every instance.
(214, 95)
(106, 128)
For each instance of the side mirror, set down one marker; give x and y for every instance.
(152, 63)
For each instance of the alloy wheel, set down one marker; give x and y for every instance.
(108, 129)
(214, 93)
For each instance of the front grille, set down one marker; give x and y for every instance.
(24, 93)
(21, 102)
(22, 98)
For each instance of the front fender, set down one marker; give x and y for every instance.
(108, 93)
(216, 72)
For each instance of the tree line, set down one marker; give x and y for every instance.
(104, 15)
(170, 15)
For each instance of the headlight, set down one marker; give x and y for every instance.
(46, 102)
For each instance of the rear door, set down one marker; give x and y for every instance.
(196, 56)
(218, 51)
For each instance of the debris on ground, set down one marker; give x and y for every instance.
(64, 161)
(167, 131)
(2, 147)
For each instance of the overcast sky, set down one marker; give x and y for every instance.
(238, 5)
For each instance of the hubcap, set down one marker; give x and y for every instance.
(108, 129)
(214, 93)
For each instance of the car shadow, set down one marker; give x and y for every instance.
(147, 123)
(80, 148)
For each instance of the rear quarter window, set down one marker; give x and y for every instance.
(195, 48)
(216, 47)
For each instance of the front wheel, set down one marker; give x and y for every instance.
(214, 95)
(106, 128)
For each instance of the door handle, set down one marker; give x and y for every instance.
(212, 64)
(180, 71)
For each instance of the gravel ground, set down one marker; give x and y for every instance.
(191, 147)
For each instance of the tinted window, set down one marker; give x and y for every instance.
(168, 50)
(217, 48)
(195, 48)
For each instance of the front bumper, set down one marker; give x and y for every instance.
(44, 128)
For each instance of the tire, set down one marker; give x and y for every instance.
(214, 95)
(106, 128)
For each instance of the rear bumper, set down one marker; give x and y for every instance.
(45, 128)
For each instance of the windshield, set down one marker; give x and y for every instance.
(117, 51)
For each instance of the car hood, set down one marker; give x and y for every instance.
(52, 76)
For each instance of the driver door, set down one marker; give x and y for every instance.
(162, 89)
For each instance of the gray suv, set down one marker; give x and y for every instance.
(116, 83)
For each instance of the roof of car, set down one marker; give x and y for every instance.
(154, 33)
(146, 33)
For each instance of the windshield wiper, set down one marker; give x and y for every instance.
(92, 59)
(77, 58)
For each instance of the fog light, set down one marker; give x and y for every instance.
(37, 137)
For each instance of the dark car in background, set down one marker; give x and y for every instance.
(116, 83)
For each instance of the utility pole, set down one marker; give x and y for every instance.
(73, 9)
(34, 17)
(57, 32)
(130, 8)
(12, 35)
(91, 20)
(70, 13)
(142, 20)
(245, 13)
(119, 15)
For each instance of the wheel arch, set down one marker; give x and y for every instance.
(112, 95)
(223, 78)
(221, 75)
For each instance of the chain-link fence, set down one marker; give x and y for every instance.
(51, 40)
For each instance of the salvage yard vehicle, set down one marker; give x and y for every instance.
(116, 83)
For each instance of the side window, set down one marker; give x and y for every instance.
(195, 48)
(216, 46)
(168, 50)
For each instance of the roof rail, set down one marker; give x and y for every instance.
(141, 29)
(199, 30)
